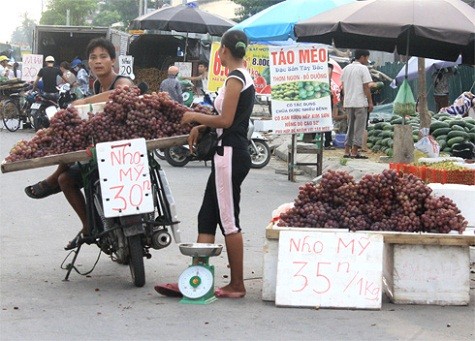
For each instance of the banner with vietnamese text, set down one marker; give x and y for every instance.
(300, 89)
(256, 61)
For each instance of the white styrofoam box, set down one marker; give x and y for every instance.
(466, 165)
(87, 108)
(263, 125)
(430, 160)
(427, 274)
(269, 274)
(462, 195)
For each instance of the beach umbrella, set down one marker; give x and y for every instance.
(439, 29)
(277, 22)
(430, 66)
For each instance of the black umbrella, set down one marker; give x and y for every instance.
(183, 18)
(438, 29)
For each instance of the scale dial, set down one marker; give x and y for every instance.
(195, 282)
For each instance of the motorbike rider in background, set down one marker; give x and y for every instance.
(48, 75)
(172, 86)
(82, 77)
(3, 66)
(67, 73)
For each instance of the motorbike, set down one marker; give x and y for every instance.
(206, 99)
(127, 234)
(47, 104)
(179, 156)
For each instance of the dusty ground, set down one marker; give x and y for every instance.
(332, 159)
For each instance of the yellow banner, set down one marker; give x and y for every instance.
(256, 61)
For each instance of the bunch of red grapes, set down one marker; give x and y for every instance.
(379, 202)
(127, 115)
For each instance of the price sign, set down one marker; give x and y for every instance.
(125, 179)
(329, 269)
(185, 68)
(126, 66)
(32, 63)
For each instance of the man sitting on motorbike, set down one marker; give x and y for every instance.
(67, 178)
(48, 75)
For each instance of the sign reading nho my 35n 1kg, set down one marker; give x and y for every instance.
(300, 89)
(329, 269)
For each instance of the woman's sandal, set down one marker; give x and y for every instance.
(41, 190)
(169, 290)
(78, 241)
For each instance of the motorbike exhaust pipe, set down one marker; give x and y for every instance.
(161, 239)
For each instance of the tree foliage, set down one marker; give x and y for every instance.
(113, 11)
(23, 35)
(251, 7)
(79, 12)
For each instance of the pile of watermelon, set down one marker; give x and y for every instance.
(449, 131)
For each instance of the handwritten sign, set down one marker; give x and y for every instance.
(185, 68)
(329, 269)
(126, 66)
(300, 89)
(125, 179)
(32, 63)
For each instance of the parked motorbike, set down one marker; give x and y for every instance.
(179, 156)
(46, 105)
(206, 99)
(126, 238)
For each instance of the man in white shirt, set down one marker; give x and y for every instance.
(357, 101)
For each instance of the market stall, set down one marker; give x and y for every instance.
(426, 232)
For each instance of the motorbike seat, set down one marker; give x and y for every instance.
(53, 96)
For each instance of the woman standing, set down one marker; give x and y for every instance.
(231, 163)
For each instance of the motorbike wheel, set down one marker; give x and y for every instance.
(261, 159)
(177, 156)
(40, 119)
(29, 121)
(11, 116)
(159, 153)
(136, 265)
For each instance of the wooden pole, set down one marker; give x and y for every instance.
(424, 115)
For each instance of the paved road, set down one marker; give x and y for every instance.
(37, 305)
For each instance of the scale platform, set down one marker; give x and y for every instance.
(201, 249)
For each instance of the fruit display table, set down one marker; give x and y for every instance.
(82, 155)
(418, 268)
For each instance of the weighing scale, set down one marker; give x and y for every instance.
(196, 283)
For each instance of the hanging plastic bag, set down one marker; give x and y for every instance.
(427, 145)
(404, 103)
